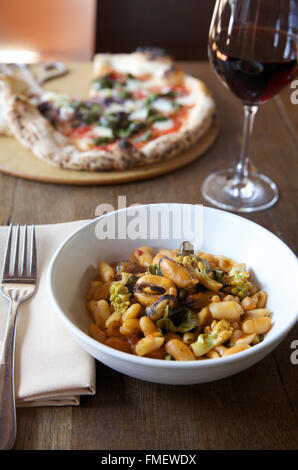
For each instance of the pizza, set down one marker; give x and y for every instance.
(141, 109)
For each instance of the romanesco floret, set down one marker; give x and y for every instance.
(219, 332)
(119, 297)
(237, 282)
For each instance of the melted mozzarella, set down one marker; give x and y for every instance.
(100, 131)
(66, 112)
(163, 125)
(140, 114)
(163, 106)
(150, 83)
(114, 108)
(131, 105)
(133, 85)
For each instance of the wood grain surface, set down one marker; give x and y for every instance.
(256, 409)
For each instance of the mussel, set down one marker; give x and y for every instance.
(176, 272)
(149, 288)
(200, 300)
(156, 310)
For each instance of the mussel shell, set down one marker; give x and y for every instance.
(200, 300)
(156, 290)
(156, 310)
(176, 272)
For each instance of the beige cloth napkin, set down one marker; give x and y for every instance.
(50, 367)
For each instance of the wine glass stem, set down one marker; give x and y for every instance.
(249, 117)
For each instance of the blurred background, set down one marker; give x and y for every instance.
(70, 30)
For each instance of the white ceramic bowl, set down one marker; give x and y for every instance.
(274, 264)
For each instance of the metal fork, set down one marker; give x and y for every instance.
(18, 284)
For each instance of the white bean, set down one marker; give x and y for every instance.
(259, 326)
(229, 310)
(235, 349)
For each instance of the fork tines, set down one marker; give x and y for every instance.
(20, 256)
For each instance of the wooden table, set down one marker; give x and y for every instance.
(255, 409)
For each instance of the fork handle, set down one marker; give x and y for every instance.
(8, 427)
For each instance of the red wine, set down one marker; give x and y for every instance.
(255, 63)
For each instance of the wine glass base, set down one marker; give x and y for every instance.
(226, 190)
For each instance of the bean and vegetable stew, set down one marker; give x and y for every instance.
(177, 305)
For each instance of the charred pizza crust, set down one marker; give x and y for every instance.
(37, 134)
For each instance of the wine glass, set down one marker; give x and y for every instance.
(253, 49)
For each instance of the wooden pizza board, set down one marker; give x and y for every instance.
(17, 161)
